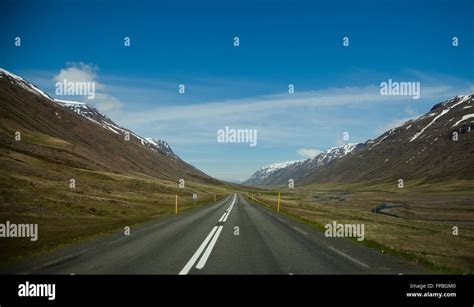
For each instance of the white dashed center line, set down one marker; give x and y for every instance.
(212, 237)
(223, 216)
(230, 209)
(208, 251)
(196, 255)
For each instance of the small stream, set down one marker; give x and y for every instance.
(379, 209)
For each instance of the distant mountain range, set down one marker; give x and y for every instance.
(279, 173)
(436, 146)
(78, 135)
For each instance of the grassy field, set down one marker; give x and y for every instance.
(416, 223)
(37, 191)
(419, 226)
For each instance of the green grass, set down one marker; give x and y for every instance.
(33, 190)
(427, 243)
(36, 190)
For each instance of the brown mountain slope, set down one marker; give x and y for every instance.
(118, 183)
(425, 148)
(53, 132)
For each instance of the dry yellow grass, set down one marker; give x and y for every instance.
(423, 233)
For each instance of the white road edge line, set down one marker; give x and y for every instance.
(118, 240)
(300, 231)
(348, 257)
(54, 262)
(208, 251)
(280, 219)
(196, 255)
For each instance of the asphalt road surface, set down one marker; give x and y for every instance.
(231, 236)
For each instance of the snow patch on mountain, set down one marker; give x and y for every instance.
(269, 170)
(333, 153)
(88, 112)
(465, 117)
(461, 99)
(321, 159)
(276, 166)
(164, 146)
(24, 84)
(383, 138)
(102, 120)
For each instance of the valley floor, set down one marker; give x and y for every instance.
(231, 236)
(36, 191)
(429, 224)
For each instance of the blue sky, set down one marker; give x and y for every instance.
(246, 87)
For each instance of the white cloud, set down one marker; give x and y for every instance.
(257, 107)
(410, 112)
(297, 120)
(106, 103)
(77, 72)
(471, 90)
(81, 72)
(290, 119)
(392, 124)
(308, 152)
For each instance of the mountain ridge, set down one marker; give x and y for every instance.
(363, 162)
(88, 138)
(288, 169)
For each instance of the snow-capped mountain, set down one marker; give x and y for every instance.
(90, 113)
(332, 153)
(16, 80)
(77, 134)
(278, 173)
(102, 120)
(271, 170)
(162, 145)
(437, 145)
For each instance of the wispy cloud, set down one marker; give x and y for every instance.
(280, 118)
(78, 72)
(308, 152)
(290, 126)
(392, 124)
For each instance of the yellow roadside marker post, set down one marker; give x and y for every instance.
(278, 208)
(176, 203)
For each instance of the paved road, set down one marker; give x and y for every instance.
(231, 236)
